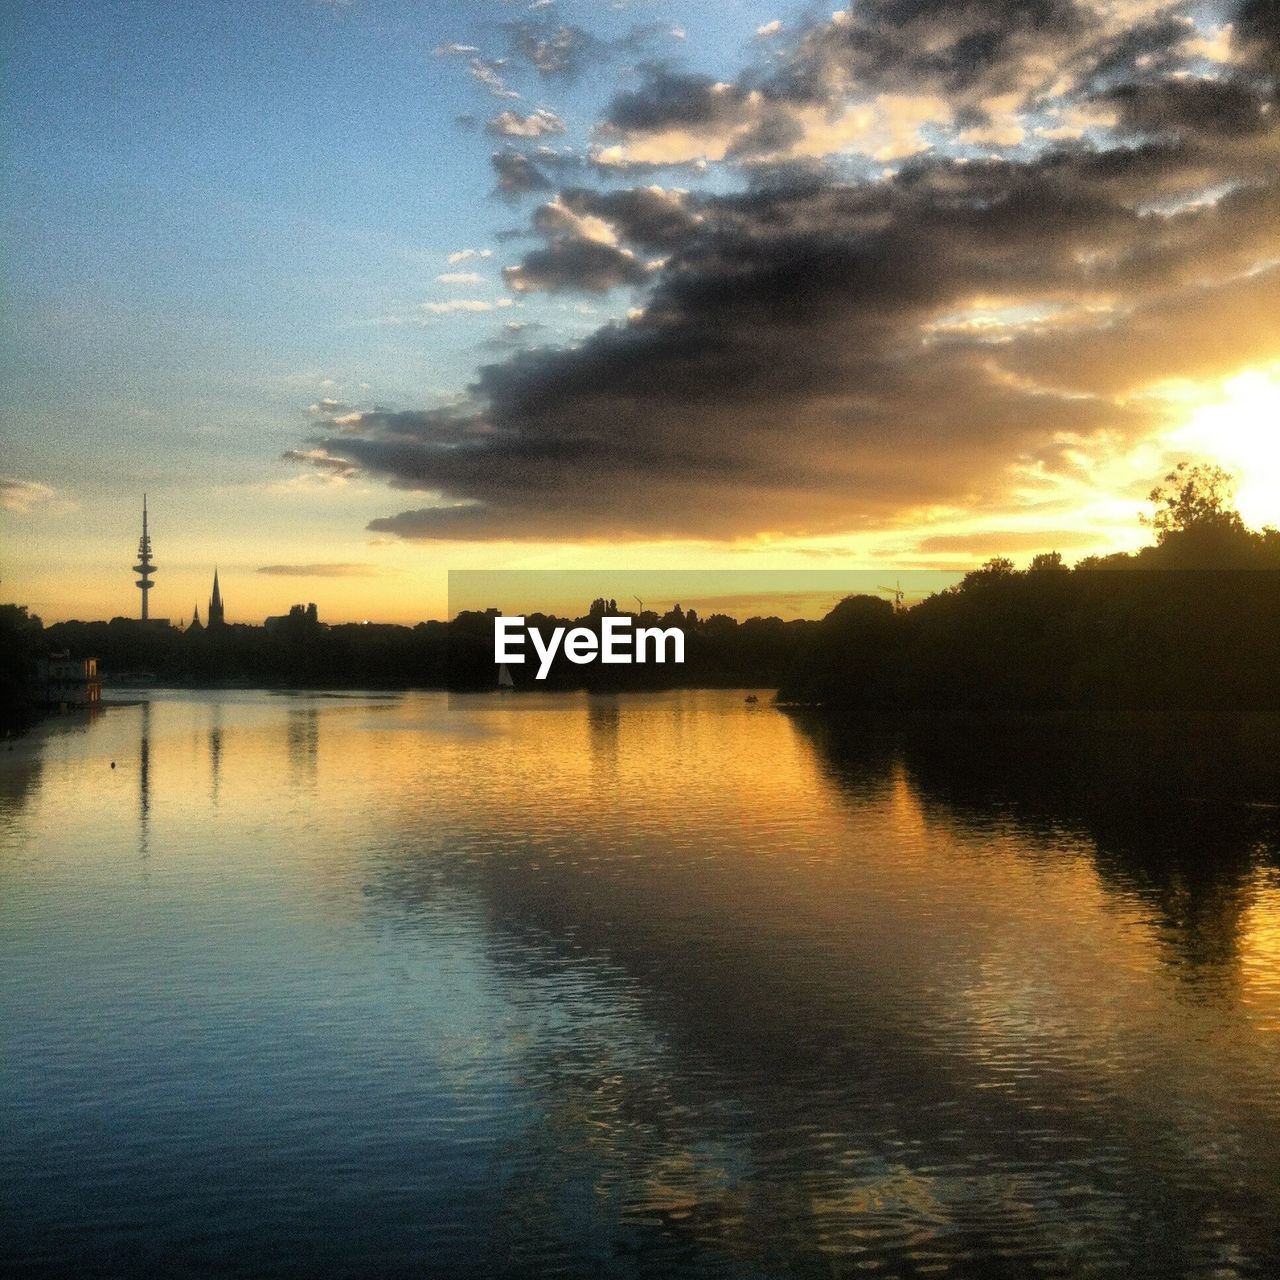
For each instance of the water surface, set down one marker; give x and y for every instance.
(630, 986)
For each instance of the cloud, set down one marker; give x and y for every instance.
(554, 50)
(465, 255)
(887, 79)
(513, 335)
(458, 277)
(517, 174)
(570, 263)
(537, 124)
(832, 350)
(556, 161)
(20, 496)
(332, 467)
(676, 118)
(1256, 34)
(767, 29)
(1207, 109)
(652, 218)
(995, 541)
(328, 407)
(318, 570)
(583, 230)
(454, 50)
(488, 72)
(454, 305)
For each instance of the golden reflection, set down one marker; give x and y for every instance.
(1260, 956)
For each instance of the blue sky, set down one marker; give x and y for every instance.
(214, 210)
(213, 197)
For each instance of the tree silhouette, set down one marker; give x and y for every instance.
(1192, 499)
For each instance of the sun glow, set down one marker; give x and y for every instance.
(1241, 433)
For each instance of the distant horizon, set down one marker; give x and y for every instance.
(346, 580)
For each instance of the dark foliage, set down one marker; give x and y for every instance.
(1187, 630)
(298, 651)
(21, 643)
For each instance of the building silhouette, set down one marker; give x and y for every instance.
(215, 614)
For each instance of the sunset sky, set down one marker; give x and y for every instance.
(362, 292)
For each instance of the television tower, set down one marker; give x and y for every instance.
(144, 568)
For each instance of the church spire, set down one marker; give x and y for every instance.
(144, 568)
(215, 614)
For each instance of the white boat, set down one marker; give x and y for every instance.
(505, 681)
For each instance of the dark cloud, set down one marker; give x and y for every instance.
(569, 263)
(1257, 34)
(879, 72)
(668, 97)
(652, 218)
(517, 174)
(1205, 108)
(958, 46)
(817, 355)
(583, 230)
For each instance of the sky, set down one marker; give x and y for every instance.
(359, 293)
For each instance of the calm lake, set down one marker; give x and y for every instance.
(634, 986)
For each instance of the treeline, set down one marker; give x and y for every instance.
(1054, 645)
(1186, 629)
(295, 653)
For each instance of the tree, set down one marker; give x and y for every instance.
(21, 642)
(1047, 561)
(1193, 499)
(997, 569)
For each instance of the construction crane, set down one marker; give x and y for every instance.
(897, 593)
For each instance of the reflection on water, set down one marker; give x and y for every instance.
(215, 750)
(623, 986)
(302, 735)
(144, 777)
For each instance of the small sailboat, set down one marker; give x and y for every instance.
(505, 681)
